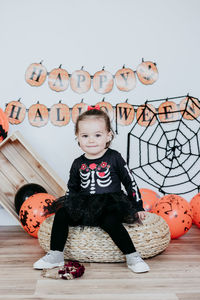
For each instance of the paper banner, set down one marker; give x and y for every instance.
(80, 80)
(123, 113)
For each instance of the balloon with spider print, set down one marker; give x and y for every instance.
(177, 212)
(34, 211)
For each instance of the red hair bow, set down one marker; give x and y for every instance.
(93, 107)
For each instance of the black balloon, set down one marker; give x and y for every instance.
(25, 192)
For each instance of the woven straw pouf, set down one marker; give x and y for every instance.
(92, 244)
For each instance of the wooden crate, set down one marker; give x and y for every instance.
(19, 165)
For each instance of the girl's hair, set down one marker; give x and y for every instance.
(97, 114)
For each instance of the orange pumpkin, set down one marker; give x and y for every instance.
(80, 81)
(147, 72)
(107, 107)
(146, 115)
(58, 79)
(59, 114)
(168, 111)
(36, 74)
(125, 113)
(78, 109)
(16, 112)
(190, 108)
(38, 115)
(125, 79)
(103, 82)
(4, 125)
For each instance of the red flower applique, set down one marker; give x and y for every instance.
(103, 164)
(83, 167)
(92, 166)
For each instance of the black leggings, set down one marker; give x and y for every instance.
(109, 223)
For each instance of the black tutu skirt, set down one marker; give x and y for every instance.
(88, 210)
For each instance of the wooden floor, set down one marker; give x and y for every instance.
(175, 274)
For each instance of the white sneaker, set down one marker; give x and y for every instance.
(51, 260)
(136, 263)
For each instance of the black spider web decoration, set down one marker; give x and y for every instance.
(166, 155)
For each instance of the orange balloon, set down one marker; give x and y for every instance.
(149, 198)
(195, 204)
(34, 211)
(177, 212)
(4, 125)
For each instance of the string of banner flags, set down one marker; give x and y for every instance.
(123, 113)
(80, 80)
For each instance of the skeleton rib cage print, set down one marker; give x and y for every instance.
(88, 178)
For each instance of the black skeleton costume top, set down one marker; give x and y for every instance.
(94, 188)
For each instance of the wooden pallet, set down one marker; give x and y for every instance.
(19, 165)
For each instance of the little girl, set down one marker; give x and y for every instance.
(94, 196)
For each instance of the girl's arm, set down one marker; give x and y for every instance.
(74, 180)
(129, 183)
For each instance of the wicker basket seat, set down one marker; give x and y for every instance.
(92, 244)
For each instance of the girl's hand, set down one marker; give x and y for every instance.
(141, 215)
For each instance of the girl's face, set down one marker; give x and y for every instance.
(93, 136)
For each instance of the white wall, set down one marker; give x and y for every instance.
(93, 34)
